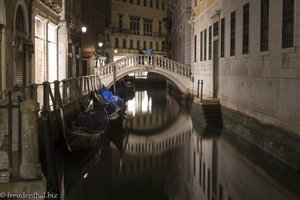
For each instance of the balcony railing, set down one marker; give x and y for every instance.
(116, 30)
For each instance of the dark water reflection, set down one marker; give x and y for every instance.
(166, 158)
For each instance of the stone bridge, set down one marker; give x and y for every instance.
(177, 73)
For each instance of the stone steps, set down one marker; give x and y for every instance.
(212, 112)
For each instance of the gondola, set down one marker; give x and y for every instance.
(126, 90)
(84, 127)
(113, 104)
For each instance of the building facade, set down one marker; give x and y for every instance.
(180, 31)
(16, 46)
(135, 26)
(247, 54)
(40, 41)
(45, 19)
(93, 40)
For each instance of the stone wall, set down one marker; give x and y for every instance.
(259, 84)
(4, 175)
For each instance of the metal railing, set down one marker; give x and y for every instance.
(48, 95)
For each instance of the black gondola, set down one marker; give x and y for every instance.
(126, 90)
(85, 127)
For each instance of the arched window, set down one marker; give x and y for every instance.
(20, 19)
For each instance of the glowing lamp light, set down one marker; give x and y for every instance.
(116, 51)
(100, 44)
(83, 29)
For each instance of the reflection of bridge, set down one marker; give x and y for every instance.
(178, 73)
(167, 140)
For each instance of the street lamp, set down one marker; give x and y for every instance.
(83, 29)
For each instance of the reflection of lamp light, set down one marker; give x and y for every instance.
(70, 54)
(77, 56)
(116, 51)
(100, 44)
(83, 29)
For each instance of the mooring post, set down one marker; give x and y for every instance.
(30, 163)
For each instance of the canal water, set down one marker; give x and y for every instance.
(168, 157)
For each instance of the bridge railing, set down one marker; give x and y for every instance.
(145, 62)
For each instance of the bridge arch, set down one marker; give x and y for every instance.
(177, 73)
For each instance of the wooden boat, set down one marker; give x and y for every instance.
(84, 128)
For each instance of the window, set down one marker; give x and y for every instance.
(195, 48)
(163, 5)
(131, 1)
(220, 192)
(45, 51)
(157, 4)
(148, 27)
(201, 45)
(205, 44)
(20, 19)
(131, 44)
(287, 23)
(138, 44)
(52, 53)
(134, 25)
(232, 34)
(124, 0)
(209, 42)
(145, 44)
(200, 171)
(120, 22)
(138, 2)
(159, 27)
(151, 3)
(194, 163)
(117, 42)
(124, 43)
(204, 177)
(222, 37)
(264, 25)
(208, 183)
(145, 2)
(216, 29)
(151, 44)
(107, 37)
(246, 28)
(157, 46)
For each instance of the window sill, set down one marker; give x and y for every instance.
(246, 55)
(289, 50)
(265, 53)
